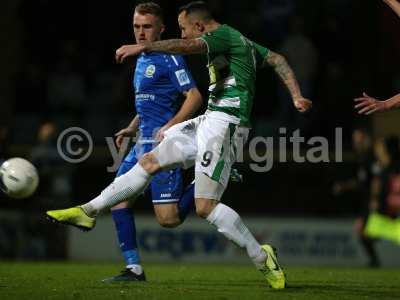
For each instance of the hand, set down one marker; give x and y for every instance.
(160, 133)
(368, 105)
(302, 104)
(120, 135)
(128, 50)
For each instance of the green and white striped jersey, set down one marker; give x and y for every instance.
(232, 62)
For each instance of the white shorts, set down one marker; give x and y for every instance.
(208, 142)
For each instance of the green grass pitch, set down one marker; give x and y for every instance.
(192, 281)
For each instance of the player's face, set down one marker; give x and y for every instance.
(190, 28)
(360, 141)
(147, 28)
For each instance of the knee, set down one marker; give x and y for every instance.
(204, 207)
(121, 205)
(167, 215)
(168, 222)
(150, 163)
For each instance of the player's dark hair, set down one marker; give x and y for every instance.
(150, 8)
(200, 8)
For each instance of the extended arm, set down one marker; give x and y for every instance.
(393, 102)
(134, 124)
(129, 131)
(189, 107)
(285, 72)
(174, 46)
(394, 4)
(178, 46)
(368, 105)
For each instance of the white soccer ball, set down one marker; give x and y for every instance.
(18, 178)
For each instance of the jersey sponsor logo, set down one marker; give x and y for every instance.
(141, 97)
(150, 70)
(182, 77)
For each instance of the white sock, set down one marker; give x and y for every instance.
(229, 223)
(137, 269)
(127, 186)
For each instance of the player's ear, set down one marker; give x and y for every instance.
(162, 29)
(200, 26)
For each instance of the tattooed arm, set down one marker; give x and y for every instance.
(178, 46)
(175, 46)
(285, 72)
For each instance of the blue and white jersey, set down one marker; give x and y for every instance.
(159, 80)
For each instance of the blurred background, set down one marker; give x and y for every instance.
(58, 71)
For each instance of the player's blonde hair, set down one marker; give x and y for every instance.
(150, 8)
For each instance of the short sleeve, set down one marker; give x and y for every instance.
(180, 75)
(218, 41)
(260, 53)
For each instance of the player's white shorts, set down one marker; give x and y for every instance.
(208, 142)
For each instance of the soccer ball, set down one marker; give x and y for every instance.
(18, 178)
